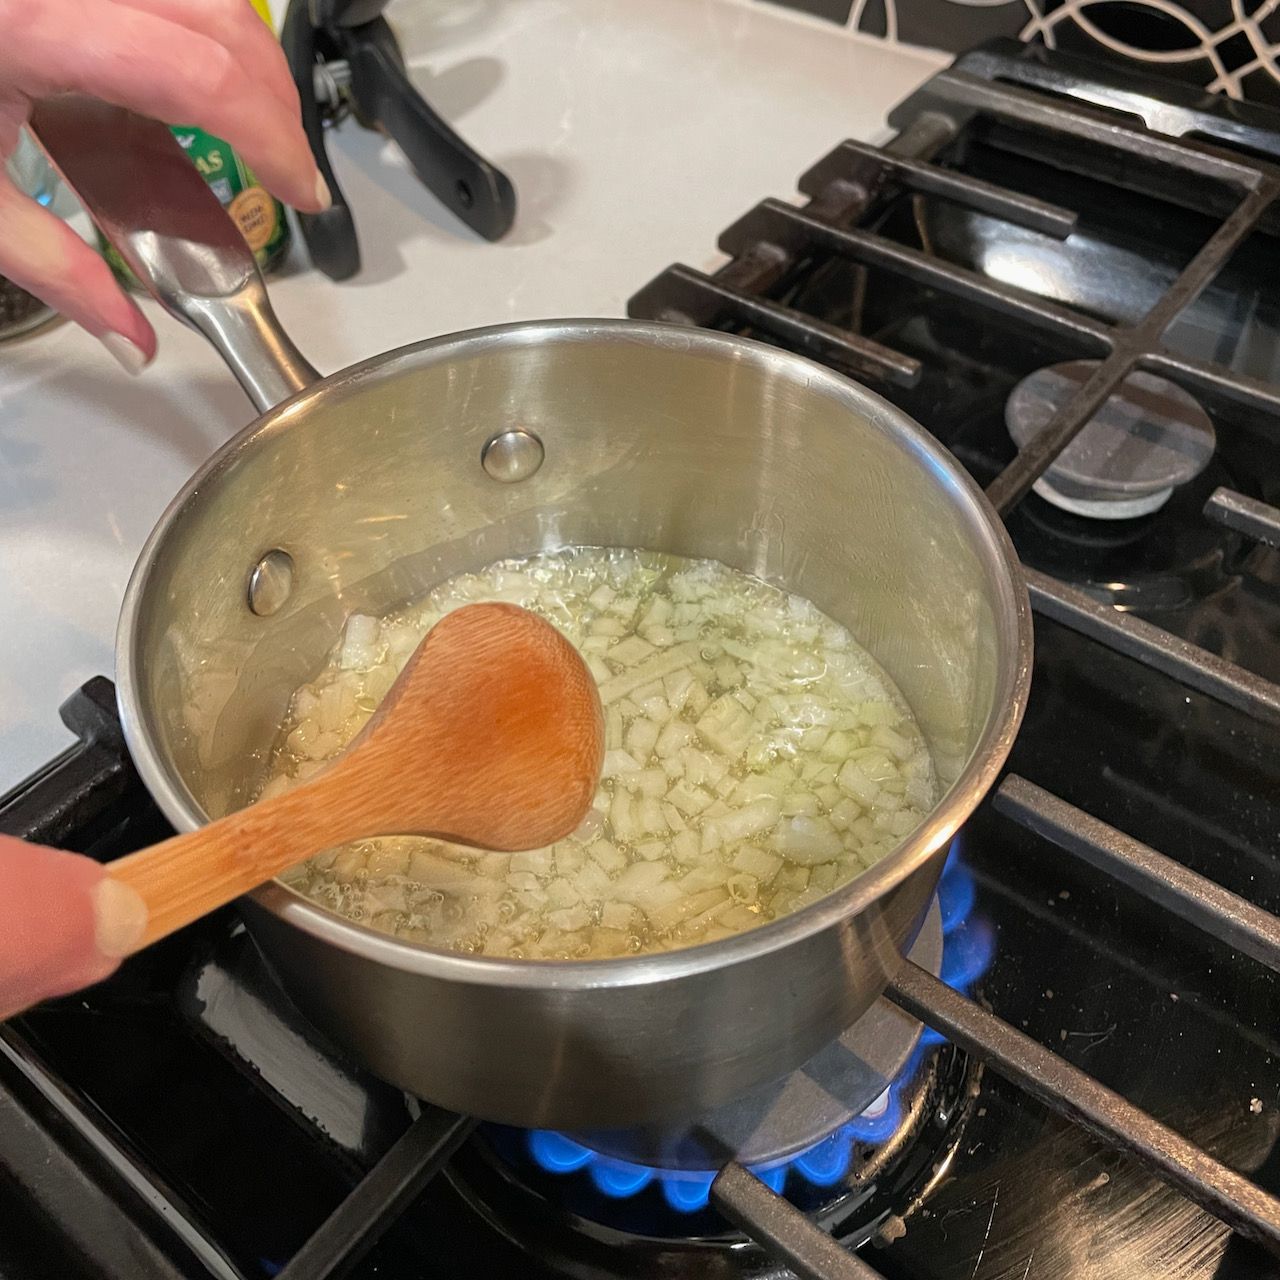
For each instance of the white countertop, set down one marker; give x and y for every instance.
(634, 131)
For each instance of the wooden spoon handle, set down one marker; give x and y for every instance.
(187, 876)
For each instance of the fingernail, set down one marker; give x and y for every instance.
(323, 196)
(120, 917)
(131, 356)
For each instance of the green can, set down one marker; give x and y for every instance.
(258, 214)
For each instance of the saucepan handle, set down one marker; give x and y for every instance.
(165, 222)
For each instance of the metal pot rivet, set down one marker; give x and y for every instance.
(512, 455)
(270, 583)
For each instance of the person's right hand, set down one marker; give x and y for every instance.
(209, 63)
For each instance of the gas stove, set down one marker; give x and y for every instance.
(1066, 273)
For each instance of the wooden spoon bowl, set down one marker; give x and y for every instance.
(492, 736)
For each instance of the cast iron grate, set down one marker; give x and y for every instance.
(994, 88)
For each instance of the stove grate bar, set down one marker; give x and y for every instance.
(95, 1131)
(867, 167)
(1072, 1093)
(1130, 344)
(1214, 380)
(1169, 107)
(1135, 638)
(794, 232)
(360, 1221)
(1219, 912)
(1246, 515)
(690, 297)
(951, 91)
(781, 1229)
(89, 1218)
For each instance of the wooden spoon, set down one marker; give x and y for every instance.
(492, 736)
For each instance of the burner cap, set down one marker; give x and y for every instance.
(1149, 437)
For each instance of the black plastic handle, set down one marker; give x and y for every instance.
(330, 236)
(478, 192)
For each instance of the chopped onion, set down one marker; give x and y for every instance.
(755, 760)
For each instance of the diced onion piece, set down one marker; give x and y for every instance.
(593, 882)
(675, 736)
(852, 780)
(687, 846)
(622, 816)
(570, 918)
(648, 782)
(808, 840)
(700, 768)
(651, 818)
(757, 862)
(726, 725)
(562, 892)
(894, 743)
(618, 762)
(630, 651)
(660, 664)
(391, 858)
(705, 875)
(740, 825)
(569, 857)
(844, 813)
(667, 915)
(540, 861)
(608, 856)
(617, 915)
(360, 648)
(641, 737)
(688, 799)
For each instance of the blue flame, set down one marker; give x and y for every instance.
(687, 1192)
(618, 1179)
(556, 1153)
(967, 952)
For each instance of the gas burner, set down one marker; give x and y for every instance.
(1157, 564)
(855, 1139)
(847, 1083)
(1145, 441)
(588, 1227)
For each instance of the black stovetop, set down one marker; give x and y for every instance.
(180, 1119)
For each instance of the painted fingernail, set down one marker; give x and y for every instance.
(323, 196)
(131, 357)
(120, 917)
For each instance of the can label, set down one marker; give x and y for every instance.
(257, 213)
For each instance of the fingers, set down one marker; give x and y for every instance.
(135, 59)
(41, 254)
(61, 922)
(234, 24)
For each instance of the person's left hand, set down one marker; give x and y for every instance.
(64, 923)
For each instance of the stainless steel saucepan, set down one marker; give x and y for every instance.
(362, 490)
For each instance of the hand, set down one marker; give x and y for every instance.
(63, 923)
(210, 63)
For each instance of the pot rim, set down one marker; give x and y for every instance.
(1013, 639)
